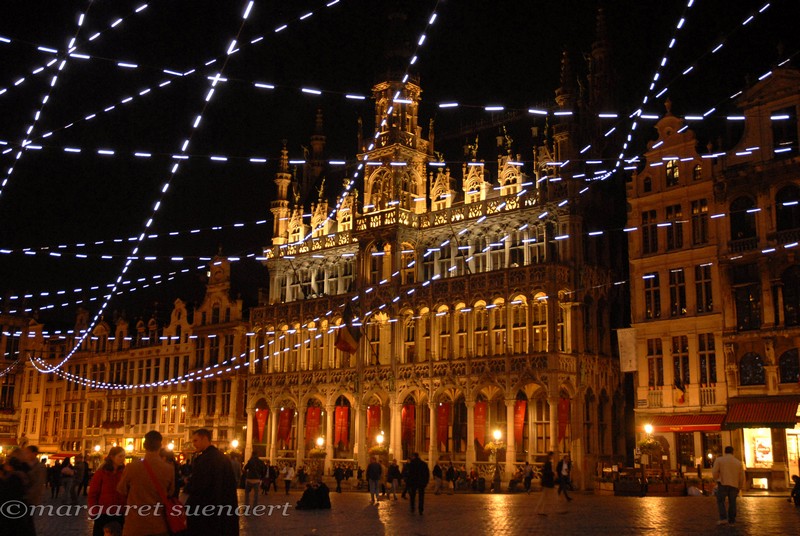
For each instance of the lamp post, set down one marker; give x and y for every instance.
(496, 445)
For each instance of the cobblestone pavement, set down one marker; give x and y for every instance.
(481, 514)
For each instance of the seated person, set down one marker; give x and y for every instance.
(315, 497)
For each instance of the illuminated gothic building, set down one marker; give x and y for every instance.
(121, 382)
(478, 301)
(715, 287)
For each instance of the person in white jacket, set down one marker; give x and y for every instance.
(728, 471)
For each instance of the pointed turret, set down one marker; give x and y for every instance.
(280, 206)
(601, 91)
(565, 95)
(317, 149)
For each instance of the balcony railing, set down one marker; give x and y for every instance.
(708, 396)
(655, 399)
(743, 244)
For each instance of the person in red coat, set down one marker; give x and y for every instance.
(103, 494)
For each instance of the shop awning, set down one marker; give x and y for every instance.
(710, 422)
(62, 455)
(761, 412)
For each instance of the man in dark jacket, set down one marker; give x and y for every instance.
(418, 477)
(374, 472)
(212, 483)
(254, 472)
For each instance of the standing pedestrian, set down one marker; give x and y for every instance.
(393, 477)
(142, 483)
(103, 492)
(548, 498)
(67, 473)
(418, 477)
(254, 472)
(795, 494)
(81, 470)
(54, 480)
(563, 472)
(288, 476)
(437, 479)
(527, 475)
(374, 472)
(236, 465)
(212, 483)
(451, 478)
(273, 476)
(37, 474)
(728, 471)
(338, 474)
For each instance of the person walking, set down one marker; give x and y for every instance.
(728, 471)
(142, 483)
(418, 477)
(527, 476)
(212, 483)
(338, 474)
(404, 476)
(374, 472)
(254, 472)
(437, 479)
(393, 477)
(563, 471)
(288, 476)
(103, 492)
(549, 496)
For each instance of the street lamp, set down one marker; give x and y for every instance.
(170, 446)
(496, 445)
(97, 448)
(320, 442)
(129, 447)
(380, 439)
(235, 444)
(648, 429)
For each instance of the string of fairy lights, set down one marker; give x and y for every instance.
(73, 52)
(127, 99)
(164, 188)
(70, 51)
(361, 167)
(40, 108)
(231, 49)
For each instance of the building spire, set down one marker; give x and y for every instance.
(565, 95)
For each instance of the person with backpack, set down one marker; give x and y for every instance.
(254, 472)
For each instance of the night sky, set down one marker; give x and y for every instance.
(477, 53)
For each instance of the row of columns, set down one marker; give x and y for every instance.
(395, 434)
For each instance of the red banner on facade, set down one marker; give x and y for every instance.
(261, 423)
(563, 417)
(285, 424)
(373, 423)
(480, 411)
(312, 424)
(442, 424)
(341, 426)
(520, 407)
(408, 423)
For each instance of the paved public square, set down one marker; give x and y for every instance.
(480, 514)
